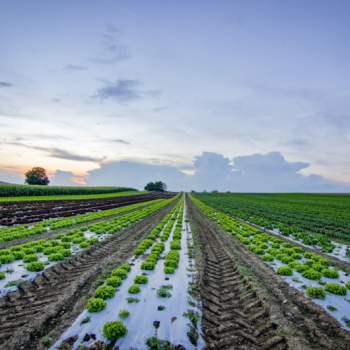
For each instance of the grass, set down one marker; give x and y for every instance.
(70, 197)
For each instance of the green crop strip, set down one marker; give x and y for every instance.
(28, 191)
(271, 248)
(64, 245)
(310, 218)
(21, 231)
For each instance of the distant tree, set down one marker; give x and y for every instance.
(157, 186)
(36, 176)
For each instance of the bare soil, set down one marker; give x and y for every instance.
(12, 213)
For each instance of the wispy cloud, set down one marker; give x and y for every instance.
(5, 84)
(112, 49)
(75, 67)
(122, 90)
(58, 152)
(121, 141)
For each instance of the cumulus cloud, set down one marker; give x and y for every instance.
(63, 178)
(127, 173)
(269, 172)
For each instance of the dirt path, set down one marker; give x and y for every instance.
(247, 306)
(59, 294)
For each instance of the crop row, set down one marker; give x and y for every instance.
(312, 223)
(328, 216)
(116, 329)
(37, 255)
(315, 274)
(21, 231)
(8, 190)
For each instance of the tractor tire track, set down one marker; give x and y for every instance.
(234, 317)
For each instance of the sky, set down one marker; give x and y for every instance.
(247, 95)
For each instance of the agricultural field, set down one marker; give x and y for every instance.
(31, 192)
(318, 220)
(168, 273)
(27, 212)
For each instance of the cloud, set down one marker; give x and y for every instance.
(112, 49)
(11, 176)
(57, 152)
(122, 90)
(63, 154)
(63, 178)
(5, 84)
(74, 67)
(269, 172)
(121, 141)
(138, 174)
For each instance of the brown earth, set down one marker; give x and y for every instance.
(53, 300)
(247, 306)
(25, 212)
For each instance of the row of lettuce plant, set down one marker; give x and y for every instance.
(39, 254)
(172, 259)
(309, 272)
(154, 242)
(22, 231)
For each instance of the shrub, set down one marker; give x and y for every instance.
(124, 313)
(56, 256)
(2, 275)
(300, 267)
(134, 289)
(330, 273)
(141, 279)
(35, 266)
(315, 292)
(114, 281)
(114, 330)
(284, 271)
(169, 270)
(30, 258)
(5, 259)
(175, 244)
(335, 288)
(95, 304)
(347, 284)
(122, 273)
(126, 267)
(105, 292)
(163, 292)
(148, 265)
(268, 257)
(312, 274)
(46, 341)
(18, 254)
(285, 259)
(132, 300)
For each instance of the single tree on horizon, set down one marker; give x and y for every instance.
(36, 176)
(157, 186)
